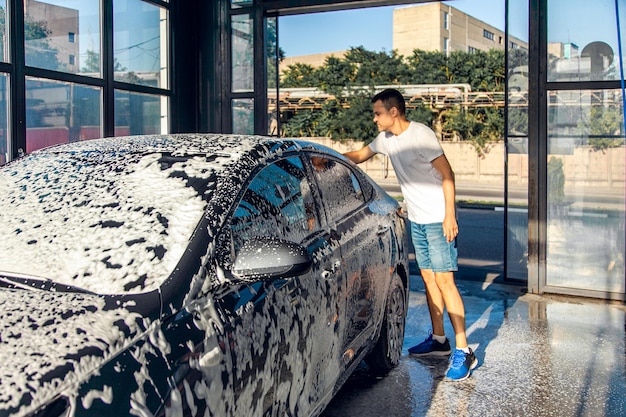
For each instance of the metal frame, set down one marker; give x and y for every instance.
(18, 71)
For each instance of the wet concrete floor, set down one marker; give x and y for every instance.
(538, 356)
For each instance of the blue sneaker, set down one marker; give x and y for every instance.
(431, 347)
(461, 365)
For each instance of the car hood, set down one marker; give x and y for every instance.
(49, 341)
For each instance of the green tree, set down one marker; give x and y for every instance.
(356, 120)
(481, 127)
(335, 75)
(427, 67)
(39, 52)
(350, 80)
(299, 75)
(556, 181)
(303, 123)
(603, 126)
(377, 68)
(421, 114)
(92, 65)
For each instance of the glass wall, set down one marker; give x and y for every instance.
(273, 60)
(585, 148)
(517, 144)
(140, 43)
(138, 114)
(70, 71)
(60, 112)
(5, 143)
(242, 72)
(63, 35)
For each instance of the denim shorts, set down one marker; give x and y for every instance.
(432, 250)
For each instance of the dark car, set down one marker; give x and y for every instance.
(213, 275)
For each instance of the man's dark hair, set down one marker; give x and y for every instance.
(391, 98)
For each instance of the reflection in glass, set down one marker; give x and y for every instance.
(273, 59)
(60, 112)
(243, 116)
(4, 36)
(5, 142)
(517, 145)
(582, 41)
(140, 43)
(63, 35)
(140, 114)
(242, 54)
(585, 187)
(235, 4)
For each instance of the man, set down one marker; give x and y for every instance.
(427, 183)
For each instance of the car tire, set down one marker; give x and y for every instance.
(386, 353)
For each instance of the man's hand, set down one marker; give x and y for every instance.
(450, 228)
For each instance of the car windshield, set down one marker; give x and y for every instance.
(107, 222)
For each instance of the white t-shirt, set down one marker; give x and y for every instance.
(411, 154)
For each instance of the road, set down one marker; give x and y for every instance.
(518, 195)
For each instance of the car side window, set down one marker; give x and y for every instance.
(273, 204)
(339, 188)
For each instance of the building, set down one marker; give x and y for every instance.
(62, 26)
(440, 27)
(314, 60)
(429, 27)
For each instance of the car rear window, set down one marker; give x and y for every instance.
(103, 222)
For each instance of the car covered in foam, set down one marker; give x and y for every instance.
(194, 274)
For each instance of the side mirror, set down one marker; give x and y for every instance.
(266, 257)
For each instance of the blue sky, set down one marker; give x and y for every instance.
(370, 28)
(577, 21)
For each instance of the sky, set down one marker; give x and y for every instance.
(370, 28)
(577, 21)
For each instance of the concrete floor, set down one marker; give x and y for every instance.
(538, 356)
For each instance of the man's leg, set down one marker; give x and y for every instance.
(463, 360)
(454, 305)
(436, 343)
(435, 301)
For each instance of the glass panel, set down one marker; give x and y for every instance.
(242, 54)
(4, 36)
(60, 112)
(586, 172)
(517, 144)
(273, 205)
(63, 35)
(5, 142)
(243, 116)
(140, 41)
(236, 4)
(140, 114)
(338, 186)
(271, 52)
(582, 55)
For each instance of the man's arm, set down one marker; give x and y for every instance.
(450, 226)
(361, 155)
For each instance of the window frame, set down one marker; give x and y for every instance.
(18, 72)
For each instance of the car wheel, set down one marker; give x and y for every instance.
(386, 354)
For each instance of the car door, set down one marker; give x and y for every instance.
(282, 333)
(364, 240)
